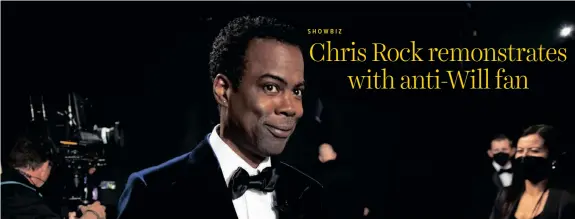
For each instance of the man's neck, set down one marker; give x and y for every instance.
(29, 175)
(535, 189)
(252, 159)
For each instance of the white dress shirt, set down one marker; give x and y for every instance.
(253, 204)
(506, 178)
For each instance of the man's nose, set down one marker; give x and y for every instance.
(288, 105)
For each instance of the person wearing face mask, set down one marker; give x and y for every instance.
(30, 167)
(533, 194)
(487, 185)
(501, 152)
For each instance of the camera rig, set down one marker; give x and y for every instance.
(80, 148)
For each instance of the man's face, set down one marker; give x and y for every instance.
(498, 146)
(501, 151)
(501, 146)
(264, 110)
(44, 173)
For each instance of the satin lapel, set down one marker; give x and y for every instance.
(204, 184)
(290, 191)
(497, 181)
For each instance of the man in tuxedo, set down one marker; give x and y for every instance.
(499, 176)
(257, 70)
(501, 152)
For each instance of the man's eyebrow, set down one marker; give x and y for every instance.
(280, 79)
(300, 84)
(275, 77)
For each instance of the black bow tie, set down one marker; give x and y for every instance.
(241, 181)
(505, 171)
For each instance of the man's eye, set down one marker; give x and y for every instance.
(271, 88)
(298, 92)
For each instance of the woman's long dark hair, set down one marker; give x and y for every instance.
(505, 203)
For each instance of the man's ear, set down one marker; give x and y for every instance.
(220, 86)
(489, 153)
(512, 152)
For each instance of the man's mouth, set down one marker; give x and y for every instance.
(280, 131)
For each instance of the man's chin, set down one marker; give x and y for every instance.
(273, 150)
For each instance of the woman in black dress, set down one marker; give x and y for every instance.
(532, 194)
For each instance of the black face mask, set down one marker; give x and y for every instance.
(534, 169)
(501, 158)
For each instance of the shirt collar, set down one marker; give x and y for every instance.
(499, 167)
(228, 159)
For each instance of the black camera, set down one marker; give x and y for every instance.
(81, 149)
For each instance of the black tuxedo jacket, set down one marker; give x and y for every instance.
(486, 186)
(497, 183)
(192, 186)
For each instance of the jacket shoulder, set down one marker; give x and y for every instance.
(165, 172)
(18, 201)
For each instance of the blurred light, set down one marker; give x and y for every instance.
(566, 31)
(68, 143)
(475, 33)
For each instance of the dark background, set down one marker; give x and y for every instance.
(146, 64)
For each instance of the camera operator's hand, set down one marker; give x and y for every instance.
(93, 211)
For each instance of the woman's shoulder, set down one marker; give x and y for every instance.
(569, 197)
(563, 194)
(566, 202)
(568, 205)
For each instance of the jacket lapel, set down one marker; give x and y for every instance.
(295, 195)
(497, 181)
(204, 184)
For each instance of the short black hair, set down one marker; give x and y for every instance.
(500, 137)
(31, 152)
(228, 50)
